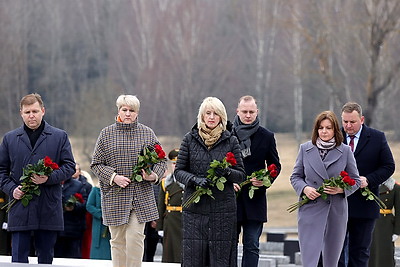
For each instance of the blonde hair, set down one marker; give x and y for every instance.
(128, 100)
(216, 105)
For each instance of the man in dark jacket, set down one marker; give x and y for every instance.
(43, 216)
(258, 148)
(375, 164)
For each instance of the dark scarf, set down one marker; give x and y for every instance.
(34, 134)
(243, 132)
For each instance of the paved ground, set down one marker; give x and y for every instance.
(5, 261)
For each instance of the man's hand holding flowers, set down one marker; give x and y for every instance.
(18, 193)
(366, 192)
(39, 179)
(263, 177)
(33, 176)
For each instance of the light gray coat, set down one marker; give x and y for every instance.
(322, 223)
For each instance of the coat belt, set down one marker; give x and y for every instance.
(174, 208)
(385, 211)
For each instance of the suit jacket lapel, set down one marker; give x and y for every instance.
(363, 140)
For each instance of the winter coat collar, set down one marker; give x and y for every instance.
(195, 133)
(319, 166)
(127, 126)
(21, 133)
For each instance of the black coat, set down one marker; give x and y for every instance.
(263, 151)
(375, 162)
(209, 227)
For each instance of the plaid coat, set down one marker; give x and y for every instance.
(116, 151)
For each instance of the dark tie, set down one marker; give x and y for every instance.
(351, 144)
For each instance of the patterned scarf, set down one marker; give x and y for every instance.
(210, 136)
(325, 146)
(243, 133)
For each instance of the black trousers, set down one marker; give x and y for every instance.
(44, 242)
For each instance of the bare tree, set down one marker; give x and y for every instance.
(384, 16)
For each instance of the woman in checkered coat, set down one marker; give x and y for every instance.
(209, 226)
(126, 205)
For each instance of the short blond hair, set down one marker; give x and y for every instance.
(218, 107)
(128, 100)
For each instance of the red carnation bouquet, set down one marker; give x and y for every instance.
(343, 181)
(43, 167)
(217, 181)
(267, 176)
(149, 157)
(75, 198)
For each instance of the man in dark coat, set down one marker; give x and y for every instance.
(43, 215)
(375, 164)
(258, 148)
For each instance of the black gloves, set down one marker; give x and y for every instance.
(220, 172)
(202, 182)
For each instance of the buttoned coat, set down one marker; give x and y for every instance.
(117, 149)
(263, 151)
(209, 226)
(322, 223)
(374, 161)
(43, 212)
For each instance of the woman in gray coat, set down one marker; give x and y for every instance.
(322, 222)
(209, 226)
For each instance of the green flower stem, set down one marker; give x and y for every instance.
(371, 196)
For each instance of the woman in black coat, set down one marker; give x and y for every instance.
(209, 226)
